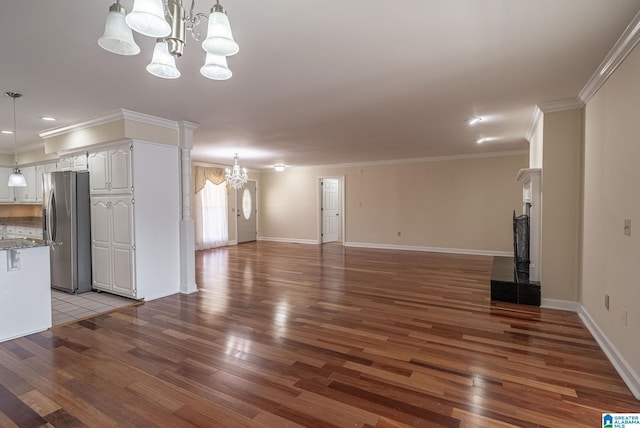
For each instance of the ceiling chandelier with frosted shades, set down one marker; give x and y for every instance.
(236, 177)
(169, 22)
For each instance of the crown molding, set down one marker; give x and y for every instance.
(414, 160)
(625, 44)
(562, 105)
(187, 125)
(151, 120)
(121, 114)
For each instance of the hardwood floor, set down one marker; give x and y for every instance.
(283, 335)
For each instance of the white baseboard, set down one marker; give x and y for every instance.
(626, 372)
(289, 240)
(231, 243)
(26, 333)
(429, 249)
(563, 305)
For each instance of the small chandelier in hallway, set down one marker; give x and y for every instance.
(236, 177)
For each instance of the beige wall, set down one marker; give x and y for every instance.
(452, 204)
(7, 160)
(611, 260)
(79, 138)
(561, 204)
(36, 156)
(118, 129)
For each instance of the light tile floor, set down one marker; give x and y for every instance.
(73, 307)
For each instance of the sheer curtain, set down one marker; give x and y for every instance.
(211, 216)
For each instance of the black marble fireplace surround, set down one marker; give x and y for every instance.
(509, 286)
(510, 276)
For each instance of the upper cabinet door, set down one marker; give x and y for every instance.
(120, 170)
(80, 162)
(27, 194)
(6, 192)
(99, 172)
(65, 163)
(110, 171)
(40, 171)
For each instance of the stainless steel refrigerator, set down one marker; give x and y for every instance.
(66, 219)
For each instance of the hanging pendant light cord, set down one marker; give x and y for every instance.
(15, 130)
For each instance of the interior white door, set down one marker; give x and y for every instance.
(246, 210)
(330, 210)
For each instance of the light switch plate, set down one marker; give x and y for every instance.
(627, 226)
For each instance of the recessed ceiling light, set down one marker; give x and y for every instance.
(48, 118)
(279, 167)
(485, 139)
(5, 131)
(474, 120)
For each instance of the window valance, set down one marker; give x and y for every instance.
(202, 174)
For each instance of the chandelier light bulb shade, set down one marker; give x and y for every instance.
(118, 37)
(147, 18)
(215, 67)
(236, 177)
(163, 64)
(17, 179)
(219, 39)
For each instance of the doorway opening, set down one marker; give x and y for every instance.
(331, 222)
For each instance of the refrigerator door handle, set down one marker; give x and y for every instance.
(52, 217)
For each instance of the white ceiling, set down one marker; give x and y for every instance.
(315, 82)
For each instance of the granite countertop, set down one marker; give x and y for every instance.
(21, 221)
(21, 243)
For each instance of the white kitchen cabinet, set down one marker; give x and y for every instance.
(6, 192)
(110, 171)
(27, 194)
(135, 233)
(32, 193)
(73, 162)
(16, 232)
(40, 170)
(113, 247)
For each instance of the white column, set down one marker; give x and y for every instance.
(187, 228)
(532, 194)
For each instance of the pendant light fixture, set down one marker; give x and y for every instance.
(163, 64)
(236, 177)
(215, 67)
(168, 21)
(16, 179)
(118, 37)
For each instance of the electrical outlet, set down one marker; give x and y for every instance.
(606, 301)
(627, 226)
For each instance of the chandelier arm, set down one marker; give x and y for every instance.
(193, 6)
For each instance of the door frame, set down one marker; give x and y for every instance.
(235, 197)
(341, 187)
